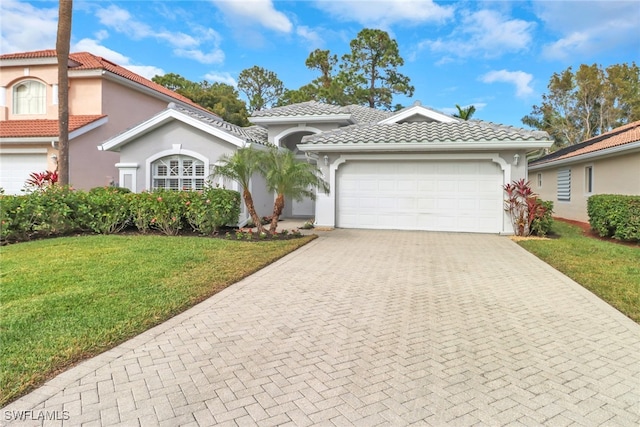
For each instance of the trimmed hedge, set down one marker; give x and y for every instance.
(614, 215)
(56, 210)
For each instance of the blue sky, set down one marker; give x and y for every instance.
(496, 55)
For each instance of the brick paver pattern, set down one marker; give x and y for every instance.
(371, 328)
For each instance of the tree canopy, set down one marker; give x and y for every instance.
(367, 75)
(262, 87)
(588, 102)
(465, 113)
(220, 98)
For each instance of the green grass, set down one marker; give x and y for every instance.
(609, 270)
(63, 300)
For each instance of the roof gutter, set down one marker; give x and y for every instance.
(588, 156)
(382, 147)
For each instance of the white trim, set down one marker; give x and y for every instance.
(420, 111)
(328, 214)
(161, 119)
(29, 140)
(427, 146)
(28, 61)
(130, 169)
(177, 150)
(301, 128)
(23, 151)
(595, 155)
(584, 170)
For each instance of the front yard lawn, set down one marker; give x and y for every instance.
(609, 270)
(66, 299)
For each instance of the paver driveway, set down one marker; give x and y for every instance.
(371, 328)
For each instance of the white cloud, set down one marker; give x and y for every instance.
(520, 79)
(26, 28)
(185, 45)
(221, 78)
(485, 33)
(262, 12)
(587, 28)
(384, 13)
(89, 45)
(313, 38)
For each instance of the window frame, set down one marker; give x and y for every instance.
(588, 180)
(177, 174)
(539, 179)
(22, 104)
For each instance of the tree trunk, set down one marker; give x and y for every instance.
(62, 53)
(278, 206)
(248, 201)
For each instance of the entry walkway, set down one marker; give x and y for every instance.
(370, 328)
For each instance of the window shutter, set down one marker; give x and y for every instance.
(564, 185)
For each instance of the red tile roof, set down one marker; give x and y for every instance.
(41, 128)
(88, 61)
(619, 136)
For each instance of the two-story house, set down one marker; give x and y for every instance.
(105, 99)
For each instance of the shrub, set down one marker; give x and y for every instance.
(108, 210)
(529, 215)
(614, 215)
(211, 209)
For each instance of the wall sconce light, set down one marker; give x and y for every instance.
(326, 160)
(54, 157)
(516, 159)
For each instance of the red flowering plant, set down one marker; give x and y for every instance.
(528, 213)
(39, 180)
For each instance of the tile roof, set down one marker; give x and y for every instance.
(425, 132)
(253, 134)
(41, 128)
(358, 113)
(88, 61)
(619, 136)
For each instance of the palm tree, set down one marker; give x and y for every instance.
(240, 167)
(465, 113)
(288, 177)
(63, 42)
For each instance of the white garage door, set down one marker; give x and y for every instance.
(16, 168)
(420, 195)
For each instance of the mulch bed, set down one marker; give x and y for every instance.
(588, 232)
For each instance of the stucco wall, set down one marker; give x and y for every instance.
(46, 74)
(163, 139)
(125, 108)
(611, 175)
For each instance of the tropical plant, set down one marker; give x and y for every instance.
(44, 179)
(465, 113)
(525, 209)
(288, 177)
(240, 167)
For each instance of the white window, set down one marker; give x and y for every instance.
(178, 173)
(588, 179)
(29, 97)
(539, 180)
(564, 185)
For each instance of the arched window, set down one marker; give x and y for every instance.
(178, 173)
(29, 97)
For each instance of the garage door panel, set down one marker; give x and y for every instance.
(15, 169)
(423, 195)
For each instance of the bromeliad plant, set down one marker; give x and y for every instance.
(529, 215)
(44, 179)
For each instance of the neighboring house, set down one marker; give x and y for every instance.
(415, 169)
(605, 164)
(104, 100)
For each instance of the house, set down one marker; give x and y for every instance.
(104, 100)
(415, 169)
(605, 164)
